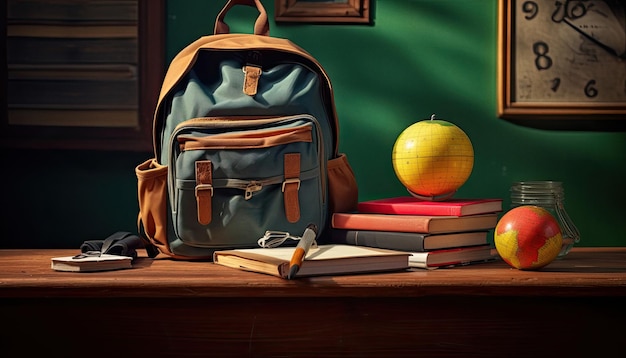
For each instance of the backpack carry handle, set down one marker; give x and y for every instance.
(261, 26)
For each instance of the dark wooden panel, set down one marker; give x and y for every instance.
(438, 326)
(75, 11)
(29, 50)
(70, 94)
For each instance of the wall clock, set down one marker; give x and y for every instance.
(562, 59)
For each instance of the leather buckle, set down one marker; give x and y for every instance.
(204, 187)
(291, 181)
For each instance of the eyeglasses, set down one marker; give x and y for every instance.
(86, 254)
(273, 239)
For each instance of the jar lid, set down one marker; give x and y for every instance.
(537, 187)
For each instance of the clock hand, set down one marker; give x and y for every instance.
(594, 40)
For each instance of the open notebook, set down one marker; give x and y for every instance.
(320, 260)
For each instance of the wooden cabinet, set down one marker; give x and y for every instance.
(82, 74)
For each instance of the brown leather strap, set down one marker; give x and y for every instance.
(291, 187)
(204, 190)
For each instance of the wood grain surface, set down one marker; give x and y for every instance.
(584, 272)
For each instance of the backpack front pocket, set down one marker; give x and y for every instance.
(234, 179)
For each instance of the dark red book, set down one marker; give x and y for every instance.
(408, 205)
(428, 224)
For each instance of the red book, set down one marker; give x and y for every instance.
(428, 224)
(412, 206)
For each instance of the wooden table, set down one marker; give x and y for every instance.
(574, 307)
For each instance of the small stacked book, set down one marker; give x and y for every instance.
(435, 233)
(91, 263)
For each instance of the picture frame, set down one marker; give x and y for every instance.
(48, 120)
(550, 66)
(331, 11)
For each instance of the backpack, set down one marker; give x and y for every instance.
(245, 141)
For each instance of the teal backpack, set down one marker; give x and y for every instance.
(245, 141)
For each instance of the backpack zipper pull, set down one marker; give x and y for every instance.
(252, 188)
(252, 73)
(251, 79)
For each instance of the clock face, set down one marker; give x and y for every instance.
(571, 51)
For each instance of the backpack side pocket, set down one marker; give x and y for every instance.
(343, 192)
(152, 195)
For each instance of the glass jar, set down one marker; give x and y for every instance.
(550, 196)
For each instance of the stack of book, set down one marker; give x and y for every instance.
(435, 233)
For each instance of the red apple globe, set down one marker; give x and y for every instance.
(528, 237)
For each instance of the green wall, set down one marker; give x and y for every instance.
(420, 57)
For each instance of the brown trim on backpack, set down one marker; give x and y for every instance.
(291, 187)
(204, 190)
